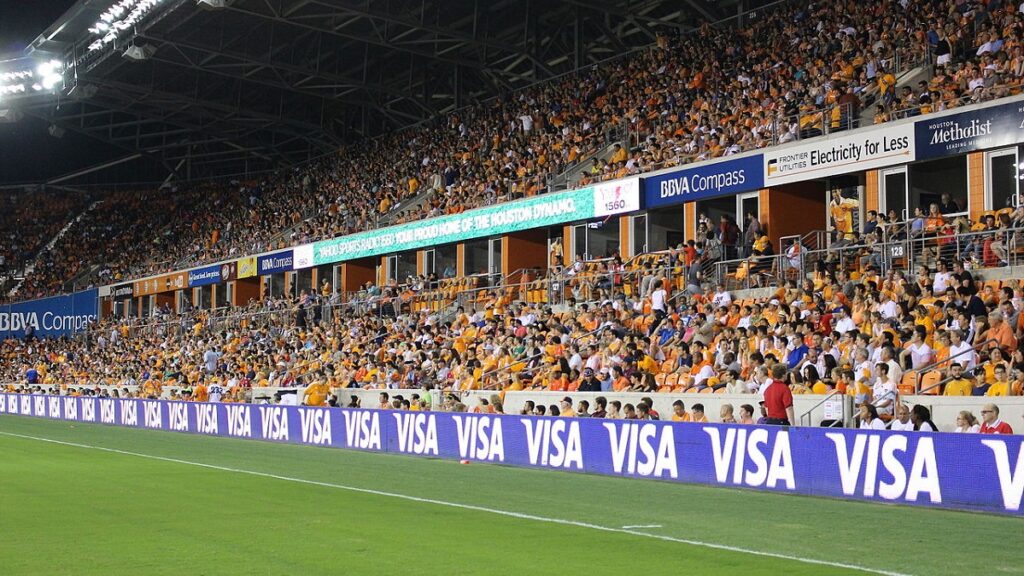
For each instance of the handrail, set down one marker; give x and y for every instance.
(807, 415)
(929, 367)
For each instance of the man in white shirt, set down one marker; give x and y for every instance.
(658, 297)
(902, 422)
(961, 352)
(721, 298)
(942, 280)
(883, 393)
(887, 308)
(919, 351)
(843, 322)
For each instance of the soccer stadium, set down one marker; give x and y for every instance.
(374, 287)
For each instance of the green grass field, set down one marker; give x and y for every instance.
(145, 502)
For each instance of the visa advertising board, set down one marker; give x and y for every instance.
(705, 181)
(50, 317)
(962, 471)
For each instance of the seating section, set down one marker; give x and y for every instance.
(793, 71)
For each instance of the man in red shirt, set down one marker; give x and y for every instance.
(778, 399)
(991, 424)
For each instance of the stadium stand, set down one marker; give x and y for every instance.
(798, 71)
(856, 325)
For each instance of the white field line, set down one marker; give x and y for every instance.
(519, 515)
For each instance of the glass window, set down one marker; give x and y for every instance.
(1003, 178)
(942, 182)
(223, 295)
(639, 234)
(579, 241)
(603, 237)
(326, 272)
(664, 228)
(445, 260)
(477, 257)
(894, 187)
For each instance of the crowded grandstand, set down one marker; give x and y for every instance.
(741, 226)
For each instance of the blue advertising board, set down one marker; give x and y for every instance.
(277, 262)
(962, 471)
(980, 129)
(53, 317)
(204, 276)
(705, 181)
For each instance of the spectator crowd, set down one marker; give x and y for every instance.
(791, 71)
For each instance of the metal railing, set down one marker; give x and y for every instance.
(920, 372)
(806, 417)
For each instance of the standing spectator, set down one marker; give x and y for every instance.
(778, 399)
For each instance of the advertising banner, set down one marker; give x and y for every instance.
(549, 209)
(705, 180)
(123, 292)
(616, 197)
(962, 471)
(204, 276)
(846, 152)
(246, 267)
(274, 263)
(54, 317)
(303, 256)
(165, 283)
(228, 271)
(980, 129)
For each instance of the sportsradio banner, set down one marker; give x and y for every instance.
(963, 471)
(56, 316)
(597, 201)
(705, 181)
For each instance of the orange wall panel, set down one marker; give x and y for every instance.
(246, 289)
(976, 183)
(872, 191)
(795, 209)
(527, 249)
(356, 273)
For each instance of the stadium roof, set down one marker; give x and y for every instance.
(207, 88)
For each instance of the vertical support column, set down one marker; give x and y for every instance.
(976, 185)
(626, 237)
(460, 259)
(689, 221)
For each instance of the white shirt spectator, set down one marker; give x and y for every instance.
(875, 424)
(658, 299)
(963, 353)
(920, 355)
(888, 310)
(721, 299)
(881, 392)
(898, 426)
(941, 282)
(845, 325)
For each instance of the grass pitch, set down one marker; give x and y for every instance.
(146, 502)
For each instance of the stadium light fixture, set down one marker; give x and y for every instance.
(122, 15)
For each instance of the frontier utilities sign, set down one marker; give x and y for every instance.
(860, 150)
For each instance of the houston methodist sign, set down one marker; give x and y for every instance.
(963, 471)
